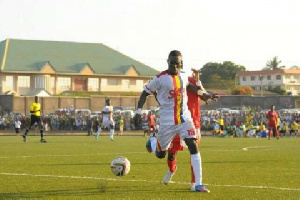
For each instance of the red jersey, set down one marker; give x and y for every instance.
(151, 121)
(272, 115)
(194, 104)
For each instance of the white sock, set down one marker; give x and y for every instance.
(196, 163)
(153, 144)
(112, 131)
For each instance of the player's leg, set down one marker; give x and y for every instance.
(159, 152)
(275, 131)
(112, 130)
(98, 131)
(31, 122)
(196, 164)
(193, 181)
(269, 132)
(164, 137)
(41, 127)
(153, 143)
(189, 134)
(175, 146)
(171, 161)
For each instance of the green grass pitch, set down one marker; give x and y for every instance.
(78, 167)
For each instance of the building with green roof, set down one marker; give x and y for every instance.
(58, 66)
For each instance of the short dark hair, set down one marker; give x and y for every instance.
(175, 53)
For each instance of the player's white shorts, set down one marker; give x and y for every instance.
(198, 137)
(166, 133)
(106, 123)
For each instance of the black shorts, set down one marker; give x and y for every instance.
(33, 119)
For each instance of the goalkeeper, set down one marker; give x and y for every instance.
(35, 117)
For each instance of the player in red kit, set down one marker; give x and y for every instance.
(151, 123)
(194, 107)
(272, 123)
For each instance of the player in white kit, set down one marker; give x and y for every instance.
(175, 118)
(107, 120)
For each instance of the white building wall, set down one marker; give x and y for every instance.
(289, 82)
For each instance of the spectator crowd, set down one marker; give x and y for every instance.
(247, 122)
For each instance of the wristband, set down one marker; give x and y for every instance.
(138, 111)
(200, 92)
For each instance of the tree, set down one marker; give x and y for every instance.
(226, 71)
(242, 90)
(294, 67)
(273, 64)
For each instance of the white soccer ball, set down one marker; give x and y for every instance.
(120, 166)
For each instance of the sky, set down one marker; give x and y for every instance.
(246, 32)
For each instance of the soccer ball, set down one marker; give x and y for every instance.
(120, 166)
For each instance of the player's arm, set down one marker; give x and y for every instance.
(32, 108)
(142, 99)
(205, 96)
(268, 116)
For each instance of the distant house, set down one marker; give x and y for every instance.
(287, 79)
(28, 66)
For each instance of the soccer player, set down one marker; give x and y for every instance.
(107, 120)
(145, 124)
(194, 108)
(35, 117)
(175, 118)
(272, 123)
(151, 122)
(17, 125)
(121, 124)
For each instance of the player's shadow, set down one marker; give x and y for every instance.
(84, 193)
(50, 193)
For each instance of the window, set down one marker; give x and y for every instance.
(103, 81)
(278, 77)
(261, 77)
(39, 82)
(244, 78)
(64, 82)
(93, 83)
(112, 81)
(252, 78)
(269, 77)
(125, 84)
(278, 87)
(139, 84)
(9, 81)
(23, 81)
(269, 87)
(287, 76)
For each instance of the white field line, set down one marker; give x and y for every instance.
(119, 179)
(253, 147)
(99, 154)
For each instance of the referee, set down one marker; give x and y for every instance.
(35, 111)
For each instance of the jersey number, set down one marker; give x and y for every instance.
(191, 132)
